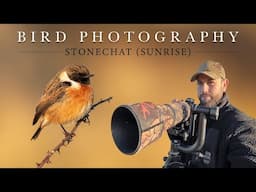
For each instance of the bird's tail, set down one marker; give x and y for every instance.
(36, 134)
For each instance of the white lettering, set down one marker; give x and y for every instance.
(99, 36)
(129, 35)
(233, 36)
(190, 37)
(145, 34)
(58, 36)
(116, 34)
(204, 34)
(219, 35)
(174, 36)
(83, 35)
(162, 36)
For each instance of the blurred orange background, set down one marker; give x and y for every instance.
(27, 67)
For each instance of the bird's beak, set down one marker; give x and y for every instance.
(90, 75)
(87, 76)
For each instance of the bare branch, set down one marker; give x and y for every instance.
(68, 136)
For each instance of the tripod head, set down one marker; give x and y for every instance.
(188, 137)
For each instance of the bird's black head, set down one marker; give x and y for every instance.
(79, 73)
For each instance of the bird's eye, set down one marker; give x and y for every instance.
(66, 83)
(81, 74)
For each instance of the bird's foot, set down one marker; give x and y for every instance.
(68, 134)
(68, 137)
(85, 119)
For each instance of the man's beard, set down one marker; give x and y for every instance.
(207, 100)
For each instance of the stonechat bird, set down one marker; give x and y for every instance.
(67, 98)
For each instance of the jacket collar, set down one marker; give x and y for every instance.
(223, 102)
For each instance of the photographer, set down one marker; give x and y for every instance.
(231, 140)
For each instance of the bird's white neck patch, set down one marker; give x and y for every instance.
(64, 77)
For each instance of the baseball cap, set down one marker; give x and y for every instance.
(210, 68)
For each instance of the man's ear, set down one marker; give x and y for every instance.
(225, 84)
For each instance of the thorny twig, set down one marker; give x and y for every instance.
(68, 137)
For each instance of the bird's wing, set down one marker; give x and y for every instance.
(54, 92)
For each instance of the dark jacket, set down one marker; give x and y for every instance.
(231, 140)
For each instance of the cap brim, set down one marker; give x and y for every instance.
(209, 74)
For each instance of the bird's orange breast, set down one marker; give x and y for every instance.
(73, 106)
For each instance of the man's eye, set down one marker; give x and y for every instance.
(199, 83)
(211, 82)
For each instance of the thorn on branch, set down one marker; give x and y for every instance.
(50, 152)
(58, 150)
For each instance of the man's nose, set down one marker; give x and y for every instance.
(204, 88)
